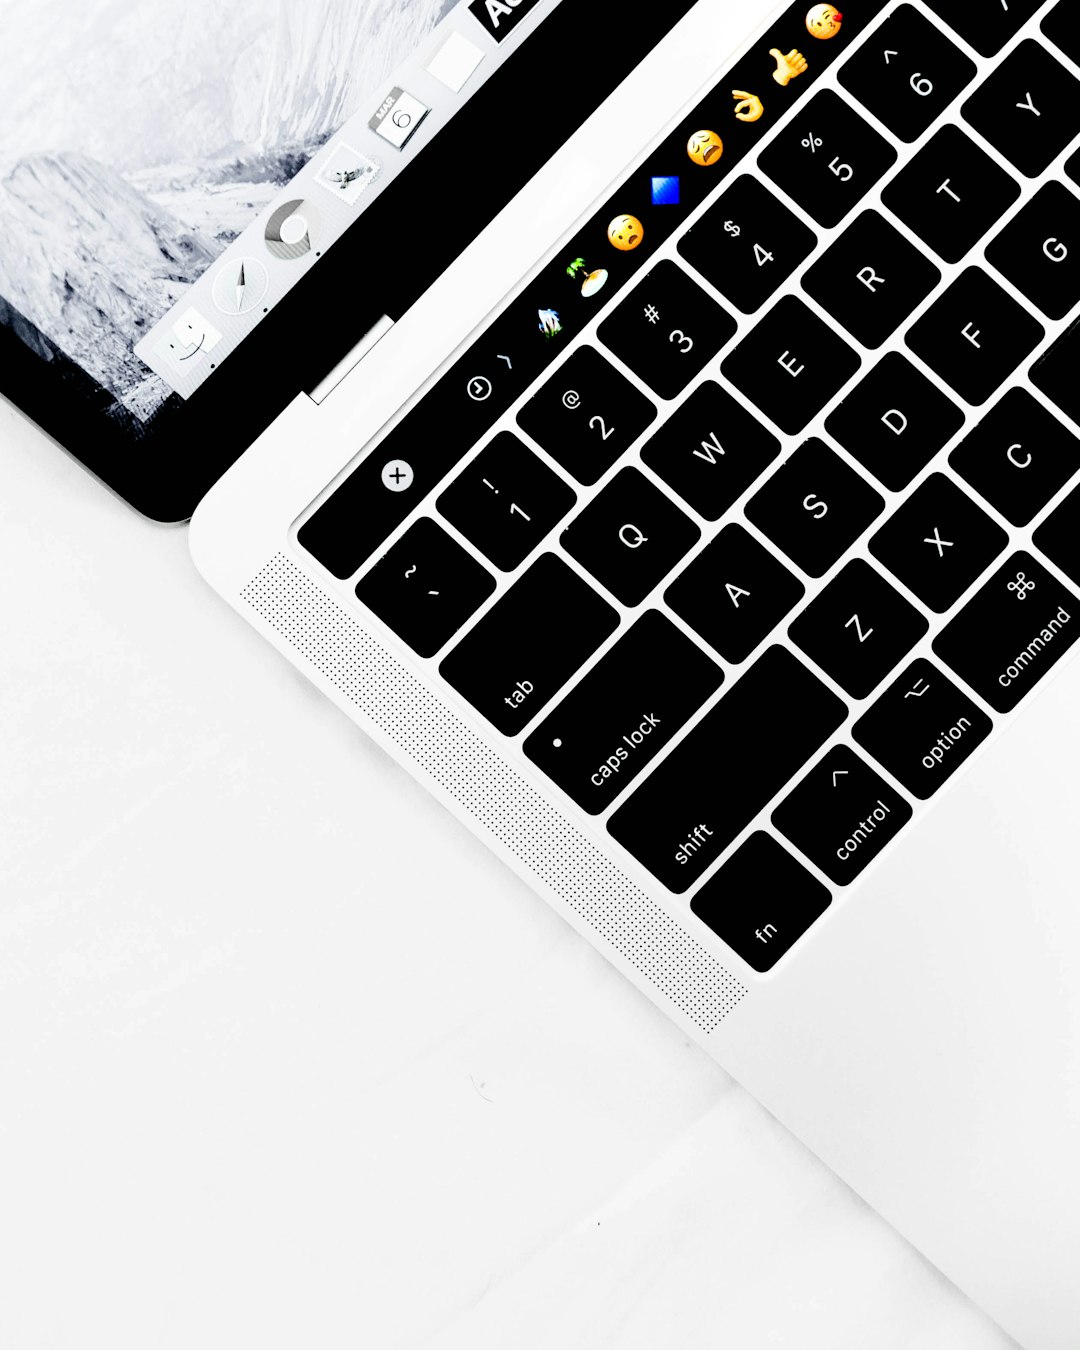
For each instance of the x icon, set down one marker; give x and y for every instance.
(940, 544)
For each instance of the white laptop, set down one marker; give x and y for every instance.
(704, 532)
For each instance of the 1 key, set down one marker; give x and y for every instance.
(828, 158)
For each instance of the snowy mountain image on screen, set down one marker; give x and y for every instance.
(139, 137)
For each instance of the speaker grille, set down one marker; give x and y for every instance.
(551, 847)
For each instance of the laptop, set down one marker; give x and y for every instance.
(722, 577)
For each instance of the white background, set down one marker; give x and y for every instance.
(288, 1059)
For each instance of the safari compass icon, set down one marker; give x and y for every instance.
(239, 285)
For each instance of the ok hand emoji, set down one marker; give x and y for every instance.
(749, 107)
(787, 67)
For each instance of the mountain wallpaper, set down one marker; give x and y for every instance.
(140, 136)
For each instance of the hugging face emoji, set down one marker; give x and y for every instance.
(824, 21)
(625, 232)
(705, 147)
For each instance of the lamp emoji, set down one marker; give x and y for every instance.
(787, 67)
(824, 21)
(748, 107)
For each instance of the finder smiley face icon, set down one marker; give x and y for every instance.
(705, 147)
(824, 21)
(625, 232)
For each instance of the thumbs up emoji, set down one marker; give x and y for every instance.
(787, 67)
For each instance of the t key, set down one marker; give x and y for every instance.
(907, 73)
(974, 336)
(827, 158)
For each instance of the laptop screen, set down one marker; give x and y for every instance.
(171, 173)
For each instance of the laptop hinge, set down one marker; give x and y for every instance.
(352, 358)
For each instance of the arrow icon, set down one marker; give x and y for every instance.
(509, 364)
(241, 285)
(889, 53)
(838, 773)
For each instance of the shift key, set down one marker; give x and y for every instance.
(728, 768)
(618, 718)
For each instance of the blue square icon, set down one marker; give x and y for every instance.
(665, 192)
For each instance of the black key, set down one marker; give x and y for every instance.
(871, 279)
(827, 158)
(858, 628)
(988, 25)
(975, 335)
(630, 536)
(1028, 108)
(1018, 456)
(747, 244)
(922, 728)
(529, 643)
(791, 364)
(505, 501)
(938, 542)
(716, 780)
(761, 901)
(1061, 27)
(842, 815)
(667, 329)
(710, 450)
(619, 717)
(1059, 535)
(815, 506)
(734, 593)
(1055, 372)
(1039, 250)
(907, 73)
(1011, 632)
(586, 415)
(894, 421)
(425, 587)
(1072, 167)
(951, 193)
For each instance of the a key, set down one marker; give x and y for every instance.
(586, 415)
(858, 628)
(1017, 457)
(791, 364)
(623, 712)
(1061, 28)
(425, 587)
(727, 769)
(505, 501)
(1011, 632)
(747, 244)
(938, 542)
(630, 536)
(1059, 535)
(1028, 108)
(761, 901)
(667, 329)
(907, 73)
(842, 815)
(528, 644)
(710, 450)
(974, 336)
(922, 728)
(871, 279)
(827, 158)
(894, 421)
(951, 193)
(1055, 372)
(988, 25)
(1039, 250)
(814, 507)
(734, 593)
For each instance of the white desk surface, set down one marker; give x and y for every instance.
(288, 1059)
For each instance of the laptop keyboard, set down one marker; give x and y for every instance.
(771, 529)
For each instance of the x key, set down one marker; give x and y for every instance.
(963, 542)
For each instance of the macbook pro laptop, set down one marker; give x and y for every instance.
(683, 484)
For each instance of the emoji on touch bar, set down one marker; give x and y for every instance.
(748, 107)
(625, 232)
(787, 67)
(549, 322)
(592, 282)
(705, 147)
(824, 21)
